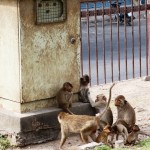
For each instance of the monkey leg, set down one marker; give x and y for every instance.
(93, 136)
(84, 137)
(112, 137)
(63, 139)
(117, 136)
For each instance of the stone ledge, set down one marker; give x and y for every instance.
(36, 126)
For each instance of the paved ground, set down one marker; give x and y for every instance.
(137, 92)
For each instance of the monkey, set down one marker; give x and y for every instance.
(83, 124)
(64, 97)
(100, 104)
(120, 127)
(133, 136)
(85, 80)
(120, 121)
(103, 136)
(84, 93)
(125, 111)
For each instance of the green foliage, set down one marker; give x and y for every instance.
(4, 143)
(142, 145)
(145, 144)
(103, 147)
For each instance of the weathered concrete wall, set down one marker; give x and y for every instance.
(9, 53)
(48, 57)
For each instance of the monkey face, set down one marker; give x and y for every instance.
(85, 80)
(69, 89)
(136, 128)
(67, 86)
(120, 100)
(107, 129)
(101, 98)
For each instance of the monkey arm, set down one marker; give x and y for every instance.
(61, 98)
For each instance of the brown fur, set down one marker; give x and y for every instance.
(133, 136)
(64, 97)
(120, 128)
(103, 136)
(83, 124)
(100, 104)
(125, 110)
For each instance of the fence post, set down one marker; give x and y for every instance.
(148, 21)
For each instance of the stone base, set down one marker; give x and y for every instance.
(36, 126)
(147, 78)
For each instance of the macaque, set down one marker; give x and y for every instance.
(64, 97)
(103, 136)
(85, 125)
(84, 93)
(125, 111)
(133, 136)
(85, 80)
(120, 121)
(119, 128)
(100, 104)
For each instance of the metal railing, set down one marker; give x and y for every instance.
(114, 48)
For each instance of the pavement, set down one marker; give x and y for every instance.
(137, 93)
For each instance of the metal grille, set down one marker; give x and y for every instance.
(50, 11)
(111, 49)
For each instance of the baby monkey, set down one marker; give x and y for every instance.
(84, 93)
(120, 127)
(103, 136)
(133, 136)
(64, 97)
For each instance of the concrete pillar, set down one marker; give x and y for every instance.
(35, 60)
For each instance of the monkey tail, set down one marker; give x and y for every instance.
(109, 99)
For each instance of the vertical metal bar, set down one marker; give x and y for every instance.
(133, 74)
(103, 26)
(111, 45)
(139, 37)
(96, 49)
(118, 39)
(88, 34)
(81, 56)
(125, 40)
(146, 38)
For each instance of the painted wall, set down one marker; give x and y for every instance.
(48, 59)
(9, 52)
